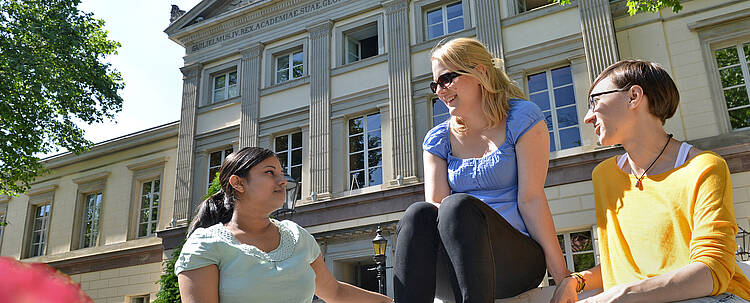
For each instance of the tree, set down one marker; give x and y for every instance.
(52, 74)
(636, 6)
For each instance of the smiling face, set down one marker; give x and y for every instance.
(264, 187)
(611, 116)
(462, 95)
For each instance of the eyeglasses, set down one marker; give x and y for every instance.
(592, 98)
(444, 80)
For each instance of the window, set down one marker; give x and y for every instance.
(148, 213)
(139, 299)
(527, 5)
(439, 112)
(733, 72)
(552, 90)
(445, 19)
(40, 217)
(578, 250)
(288, 149)
(289, 66)
(215, 160)
(365, 152)
(361, 43)
(3, 210)
(225, 86)
(92, 206)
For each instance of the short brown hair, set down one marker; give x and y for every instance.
(657, 85)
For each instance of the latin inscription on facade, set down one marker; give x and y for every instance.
(264, 23)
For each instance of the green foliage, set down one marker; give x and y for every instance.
(169, 290)
(636, 6)
(51, 74)
(215, 187)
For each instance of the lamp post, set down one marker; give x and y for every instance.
(292, 190)
(742, 252)
(379, 244)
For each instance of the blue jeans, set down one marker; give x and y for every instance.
(723, 298)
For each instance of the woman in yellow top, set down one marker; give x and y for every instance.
(664, 209)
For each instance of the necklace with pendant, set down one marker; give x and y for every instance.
(640, 179)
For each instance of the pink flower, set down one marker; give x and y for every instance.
(37, 283)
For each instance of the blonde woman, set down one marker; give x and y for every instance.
(664, 209)
(485, 230)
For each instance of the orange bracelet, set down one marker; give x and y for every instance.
(580, 281)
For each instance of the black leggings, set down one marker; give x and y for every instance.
(469, 250)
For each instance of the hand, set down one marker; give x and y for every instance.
(565, 292)
(614, 294)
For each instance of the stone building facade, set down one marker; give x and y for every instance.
(339, 90)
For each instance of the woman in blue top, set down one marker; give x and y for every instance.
(485, 230)
(235, 253)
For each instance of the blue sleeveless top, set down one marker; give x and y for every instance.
(494, 177)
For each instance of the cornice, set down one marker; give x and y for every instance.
(91, 178)
(41, 190)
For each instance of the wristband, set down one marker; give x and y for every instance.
(580, 282)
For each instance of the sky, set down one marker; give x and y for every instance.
(148, 61)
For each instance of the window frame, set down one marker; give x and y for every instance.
(272, 53)
(288, 151)
(553, 108)
(223, 150)
(365, 152)
(87, 185)
(207, 81)
(131, 299)
(3, 219)
(744, 68)
(715, 33)
(425, 6)
(342, 32)
(226, 87)
(568, 250)
(38, 197)
(432, 101)
(83, 219)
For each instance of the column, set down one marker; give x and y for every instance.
(599, 41)
(320, 110)
(489, 30)
(185, 145)
(250, 95)
(399, 90)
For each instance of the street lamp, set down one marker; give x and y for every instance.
(379, 244)
(292, 190)
(742, 252)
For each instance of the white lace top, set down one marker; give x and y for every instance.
(248, 274)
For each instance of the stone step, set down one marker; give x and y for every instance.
(536, 295)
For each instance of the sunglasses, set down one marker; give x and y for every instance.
(444, 80)
(593, 101)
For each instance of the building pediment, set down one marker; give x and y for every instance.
(219, 21)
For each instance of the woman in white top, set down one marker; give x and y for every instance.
(236, 253)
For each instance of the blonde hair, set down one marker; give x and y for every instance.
(463, 55)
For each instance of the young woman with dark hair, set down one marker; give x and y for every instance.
(236, 253)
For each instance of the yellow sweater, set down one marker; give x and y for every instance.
(679, 217)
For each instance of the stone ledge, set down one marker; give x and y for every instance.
(536, 295)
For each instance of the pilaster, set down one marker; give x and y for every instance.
(250, 95)
(399, 85)
(320, 110)
(489, 30)
(186, 144)
(599, 41)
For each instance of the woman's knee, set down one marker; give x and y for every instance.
(459, 206)
(419, 214)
